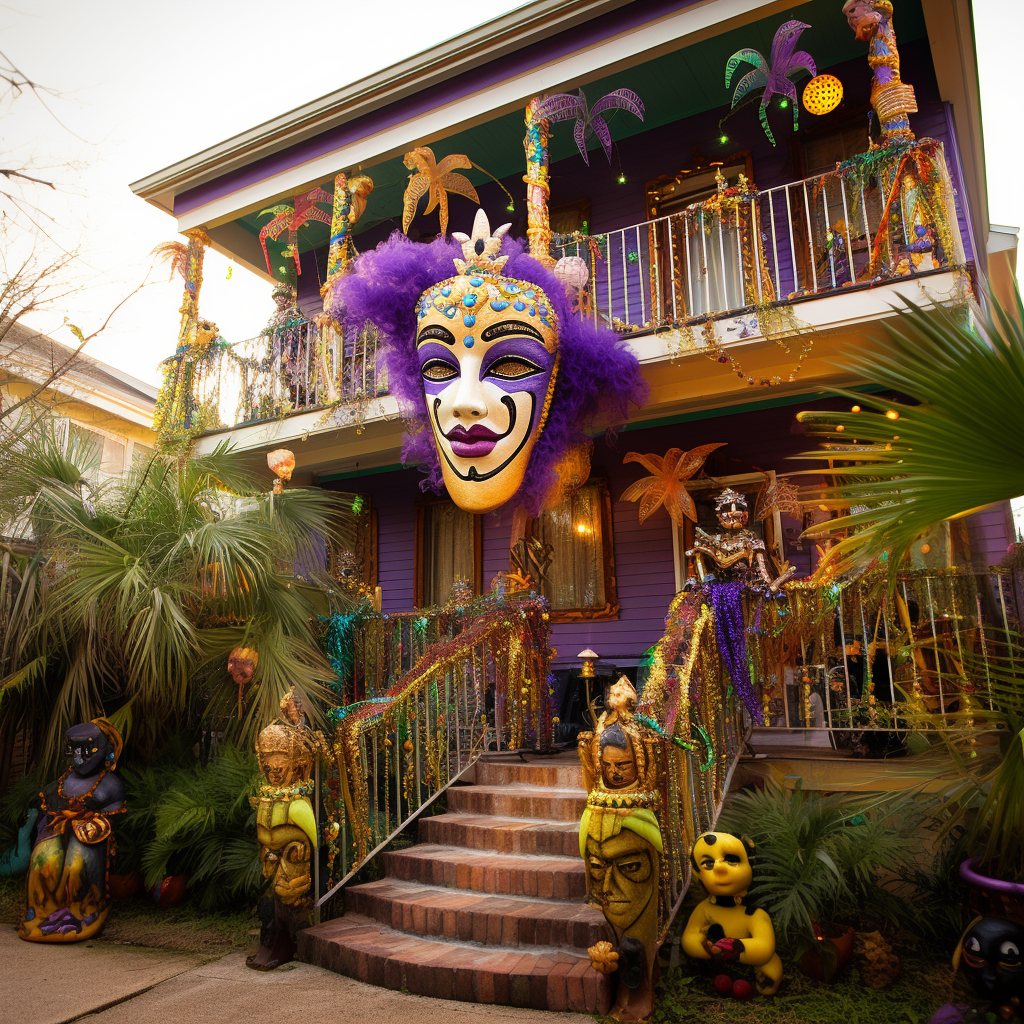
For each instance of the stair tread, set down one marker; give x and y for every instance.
(522, 789)
(538, 977)
(498, 823)
(462, 854)
(422, 893)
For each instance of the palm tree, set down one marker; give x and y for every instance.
(139, 588)
(434, 180)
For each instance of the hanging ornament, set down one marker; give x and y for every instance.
(773, 76)
(777, 496)
(564, 106)
(281, 463)
(435, 180)
(822, 94)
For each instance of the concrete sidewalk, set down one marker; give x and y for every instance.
(103, 982)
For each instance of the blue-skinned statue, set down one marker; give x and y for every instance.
(66, 897)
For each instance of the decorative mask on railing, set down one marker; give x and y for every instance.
(492, 359)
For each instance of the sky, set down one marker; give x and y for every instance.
(140, 86)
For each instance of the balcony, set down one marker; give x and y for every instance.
(729, 272)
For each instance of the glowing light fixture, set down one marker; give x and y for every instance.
(822, 94)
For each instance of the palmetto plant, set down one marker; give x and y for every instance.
(564, 106)
(137, 590)
(952, 444)
(820, 858)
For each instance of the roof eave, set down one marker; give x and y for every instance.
(471, 49)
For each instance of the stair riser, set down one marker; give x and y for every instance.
(557, 776)
(491, 875)
(532, 839)
(517, 804)
(540, 983)
(488, 927)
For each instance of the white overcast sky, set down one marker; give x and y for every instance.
(143, 85)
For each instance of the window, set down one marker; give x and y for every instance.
(100, 455)
(141, 454)
(580, 580)
(447, 548)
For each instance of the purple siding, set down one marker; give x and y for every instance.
(990, 532)
(645, 575)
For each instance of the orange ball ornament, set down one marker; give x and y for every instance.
(822, 94)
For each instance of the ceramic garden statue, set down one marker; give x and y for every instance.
(990, 955)
(620, 840)
(723, 927)
(66, 897)
(497, 377)
(286, 831)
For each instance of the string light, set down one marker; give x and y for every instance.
(622, 178)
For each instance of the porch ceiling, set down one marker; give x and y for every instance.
(674, 86)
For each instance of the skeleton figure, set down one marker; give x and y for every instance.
(735, 553)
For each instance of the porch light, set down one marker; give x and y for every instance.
(588, 657)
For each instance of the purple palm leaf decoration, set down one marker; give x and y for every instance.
(564, 106)
(773, 77)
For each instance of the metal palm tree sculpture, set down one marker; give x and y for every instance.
(773, 77)
(667, 482)
(290, 219)
(437, 180)
(564, 106)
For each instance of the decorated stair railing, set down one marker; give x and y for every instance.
(879, 216)
(483, 688)
(686, 697)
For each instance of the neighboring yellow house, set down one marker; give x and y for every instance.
(102, 406)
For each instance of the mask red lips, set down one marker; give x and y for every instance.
(475, 443)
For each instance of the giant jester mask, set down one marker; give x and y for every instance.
(488, 356)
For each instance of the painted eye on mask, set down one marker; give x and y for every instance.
(512, 368)
(1009, 956)
(438, 370)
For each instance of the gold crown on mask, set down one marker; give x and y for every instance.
(729, 497)
(480, 282)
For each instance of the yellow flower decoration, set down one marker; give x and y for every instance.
(666, 484)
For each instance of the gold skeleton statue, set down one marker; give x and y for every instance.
(734, 552)
(286, 830)
(620, 840)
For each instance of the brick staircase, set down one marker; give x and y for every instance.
(488, 906)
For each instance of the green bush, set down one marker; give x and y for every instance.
(830, 859)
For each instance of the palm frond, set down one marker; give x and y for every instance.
(953, 443)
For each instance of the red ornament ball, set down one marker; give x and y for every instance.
(742, 989)
(723, 984)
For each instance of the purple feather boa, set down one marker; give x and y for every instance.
(599, 376)
(731, 637)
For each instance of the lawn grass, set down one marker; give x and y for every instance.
(686, 994)
(140, 922)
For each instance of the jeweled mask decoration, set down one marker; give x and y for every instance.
(488, 354)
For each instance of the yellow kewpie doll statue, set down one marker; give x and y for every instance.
(723, 927)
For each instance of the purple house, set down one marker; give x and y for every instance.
(737, 266)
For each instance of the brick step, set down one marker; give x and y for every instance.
(561, 878)
(502, 834)
(456, 914)
(519, 802)
(544, 980)
(534, 773)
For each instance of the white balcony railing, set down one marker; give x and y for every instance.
(881, 217)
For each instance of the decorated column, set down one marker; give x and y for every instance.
(538, 190)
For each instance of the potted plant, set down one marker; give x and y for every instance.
(818, 868)
(951, 445)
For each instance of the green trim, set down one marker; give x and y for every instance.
(729, 410)
(326, 478)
